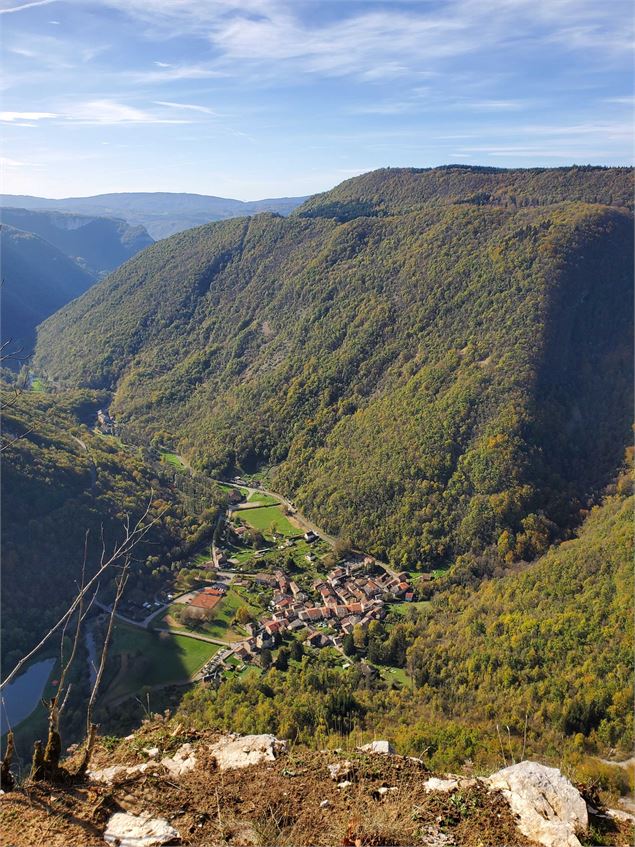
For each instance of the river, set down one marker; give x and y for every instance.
(21, 696)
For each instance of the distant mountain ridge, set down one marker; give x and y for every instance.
(97, 244)
(49, 258)
(38, 279)
(162, 213)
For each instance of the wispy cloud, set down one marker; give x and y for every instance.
(174, 73)
(111, 112)
(98, 112)
(378, 44)
(11, 117)
(187, 106)
(7, 10)
(493, 105)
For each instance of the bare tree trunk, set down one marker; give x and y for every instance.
(37, 762)
(91, 728)
(7, 782)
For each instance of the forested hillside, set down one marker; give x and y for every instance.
(59, 481)
(424, 365)
(545, 650)
(37, 279)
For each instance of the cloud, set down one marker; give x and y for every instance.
(98, 112)
(13, 117)
(381, 43)
(174, 73)
(10, 9)
(187, 106)
(111, 112)
(15, 164)
(493, 105)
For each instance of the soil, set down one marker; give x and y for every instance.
(277, 803)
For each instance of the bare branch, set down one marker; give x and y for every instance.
(131, 539)
(121, 584)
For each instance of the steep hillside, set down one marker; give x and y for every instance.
(98, 245)
(428, 377)
(61, 480)
(37, 279)
(162, 213)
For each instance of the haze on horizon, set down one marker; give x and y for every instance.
(268, 98)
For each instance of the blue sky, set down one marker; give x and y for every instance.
(262, 98)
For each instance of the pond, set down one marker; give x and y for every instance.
(21, 696)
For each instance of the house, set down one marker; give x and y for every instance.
(274, 626)
(316, 639)
(310, 537)
(295, 625)
(409, 596)
(264, 640)
(295, 588)
(313, 614)
(242, 653)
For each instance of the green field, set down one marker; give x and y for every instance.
(401, 609)
(264, 518)
(173, 459)
(143, 657)
(261, 497)
(228, 486)
(221, 625)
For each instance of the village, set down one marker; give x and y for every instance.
(345, 599)
(268, 579)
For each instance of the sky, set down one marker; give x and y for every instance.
(270, 98)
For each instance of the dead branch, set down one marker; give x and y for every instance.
(91, 728)
(131, 539)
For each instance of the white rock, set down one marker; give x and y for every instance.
(240, 751)
(550, 809)
(340, 770)
(378, 747)
(127, 830)
(108, 774)
(325, 804)
(151, 751)
(435, 784)
(346, 784)
(619, 815)
(383, 790)
(183, 761)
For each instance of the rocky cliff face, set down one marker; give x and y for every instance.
(167, 785)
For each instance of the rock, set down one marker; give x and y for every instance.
(346, 784)
(325, 804)
(619, 815)
(435, 784)
(151, 751)
(107, 775)
(383, 790)
(126, 830)
(183, 761)
(550, 809)
(341, 770)
(240, 751)
(384, 747)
